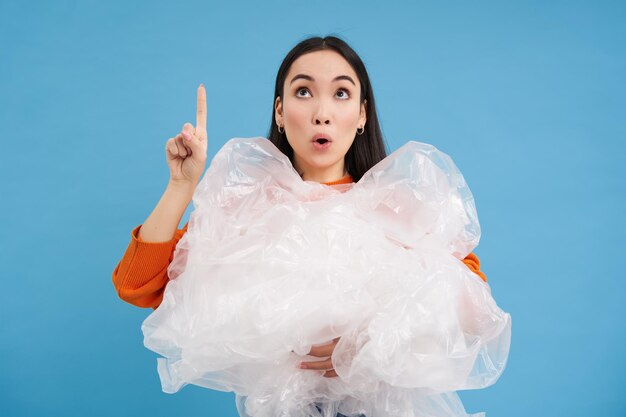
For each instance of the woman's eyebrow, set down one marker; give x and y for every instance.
(308, 77)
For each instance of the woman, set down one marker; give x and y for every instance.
(324, 120)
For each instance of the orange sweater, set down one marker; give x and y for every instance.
(141, 275)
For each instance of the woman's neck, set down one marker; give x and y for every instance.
(323, 175)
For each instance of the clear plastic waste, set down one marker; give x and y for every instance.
(272, 265)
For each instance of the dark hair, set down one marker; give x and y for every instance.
(369, 148)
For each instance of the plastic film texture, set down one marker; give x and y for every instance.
(272, 265)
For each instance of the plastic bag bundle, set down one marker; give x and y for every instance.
(272, 265)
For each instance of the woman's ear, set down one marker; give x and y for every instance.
(278, 110)
(363, 114)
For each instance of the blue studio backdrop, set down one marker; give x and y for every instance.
(527, 97)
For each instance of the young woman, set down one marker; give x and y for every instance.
(324, 120)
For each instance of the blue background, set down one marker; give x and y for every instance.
(527, 97)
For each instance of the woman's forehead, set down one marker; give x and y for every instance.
(321, 66)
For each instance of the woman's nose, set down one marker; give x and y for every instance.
(321, 115)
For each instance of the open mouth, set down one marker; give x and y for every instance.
(321, 141)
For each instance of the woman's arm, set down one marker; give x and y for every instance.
(164, 219)
(140, 276)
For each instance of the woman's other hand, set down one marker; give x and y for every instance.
(324, 351)
(186, 152)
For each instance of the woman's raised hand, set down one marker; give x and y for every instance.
(186, 152)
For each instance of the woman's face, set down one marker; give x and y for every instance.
(320, 99)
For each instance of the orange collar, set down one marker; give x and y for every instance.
(345, 180)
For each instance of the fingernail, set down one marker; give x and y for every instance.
(185, 135)
(302, 366)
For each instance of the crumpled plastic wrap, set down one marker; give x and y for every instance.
(272, 265)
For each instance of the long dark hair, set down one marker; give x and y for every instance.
(367, 149)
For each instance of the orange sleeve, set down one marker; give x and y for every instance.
(473, 264)
(141, 275)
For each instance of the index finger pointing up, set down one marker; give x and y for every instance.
(201, 111)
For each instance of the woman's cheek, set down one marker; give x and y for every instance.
(296, 119)
(349, 124)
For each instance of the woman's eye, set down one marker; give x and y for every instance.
(342, 93)
(298, 91)
(345, 93)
